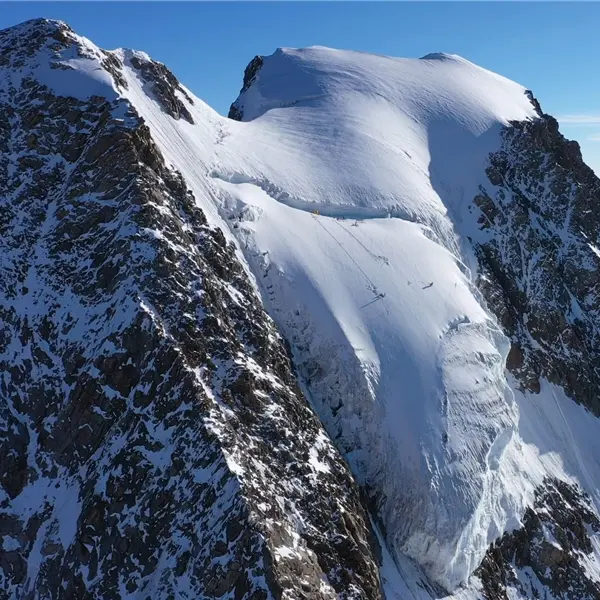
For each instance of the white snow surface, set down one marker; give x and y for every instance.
(76, 71)
(411, 385)
(346, 191)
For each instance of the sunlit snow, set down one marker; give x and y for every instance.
(346, 191)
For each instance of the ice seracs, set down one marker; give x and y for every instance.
(348, 187)
(364, 136)
(411, 384)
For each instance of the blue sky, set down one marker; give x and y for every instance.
(552, 48)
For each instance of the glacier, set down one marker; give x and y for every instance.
(347, 188)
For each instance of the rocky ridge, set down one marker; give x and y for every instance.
(250, 73)
(548, 552)
(542, 280)
(538, 271)
(151, 441)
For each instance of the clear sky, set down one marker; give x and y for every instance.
(552, 48)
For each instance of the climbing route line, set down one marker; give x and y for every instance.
(376, 256)
(372, 286)
(379, 297)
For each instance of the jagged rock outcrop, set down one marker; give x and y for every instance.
(164, 85)
(539, 257)
(539, 262)
(548, 551)
(153, 440)
(250, 73)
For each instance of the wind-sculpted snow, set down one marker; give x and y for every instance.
(403, 364)
(349, 199)
(371, 131)
(401, 372)
(402, 360)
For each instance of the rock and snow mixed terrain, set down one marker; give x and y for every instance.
(421, 236)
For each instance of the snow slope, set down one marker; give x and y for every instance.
(371, 132)
(400, 359)
(411, 384)
(347, 189)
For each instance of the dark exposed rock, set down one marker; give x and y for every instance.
(151, 422)
(235, 113)
(539, 266)
(164, 85)
(548, 551)
(114, 66)
(539, 257)
(534, 102)
(23, 41)
(250, 73)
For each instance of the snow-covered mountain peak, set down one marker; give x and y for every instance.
(402, 136)
(407, 344)
(34, 27)
(50, 53)
(399, 220)
(124, 454)
(30, 40)
(434, 86)
(367, 137)
(443, 56)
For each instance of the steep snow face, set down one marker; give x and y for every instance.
(349, 194)
(404, 365)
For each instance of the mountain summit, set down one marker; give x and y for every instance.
(342, 344)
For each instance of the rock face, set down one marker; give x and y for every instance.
(548, 551)
(163, 85)
(539, 263)
(540, 257)
(250, 73)
(154, 440)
